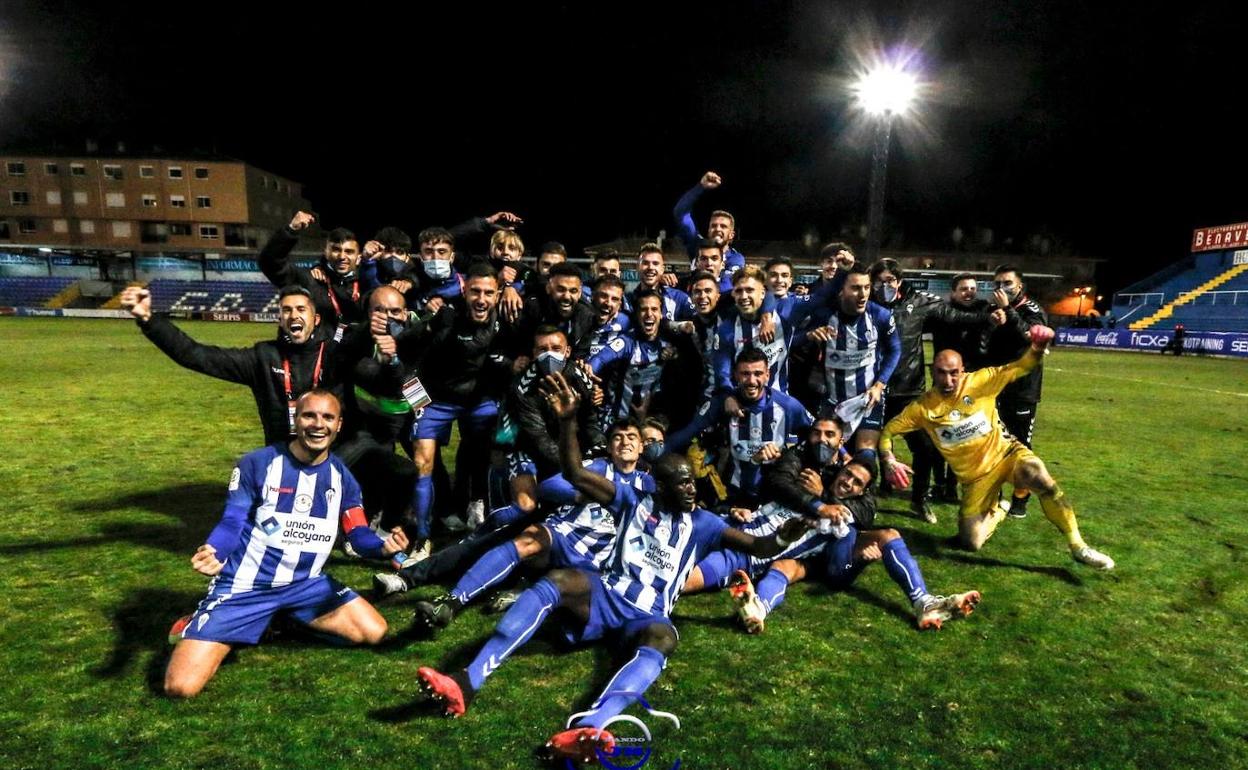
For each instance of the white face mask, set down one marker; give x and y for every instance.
(438, 269)
(549, 362)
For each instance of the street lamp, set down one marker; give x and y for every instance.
(883, 92)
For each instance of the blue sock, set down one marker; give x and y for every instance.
(628, 684)
(771, 589)
(903, 569)
(422, 504)
(502, 516)
(496, 564)
(520, 623)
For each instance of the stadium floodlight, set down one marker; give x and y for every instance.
(885, 90)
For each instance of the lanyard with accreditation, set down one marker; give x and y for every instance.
(290, 394)
(333, 300)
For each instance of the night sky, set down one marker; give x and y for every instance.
(1113, 129)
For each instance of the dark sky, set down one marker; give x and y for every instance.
(1112, 128)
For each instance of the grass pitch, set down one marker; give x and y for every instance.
(115, 466)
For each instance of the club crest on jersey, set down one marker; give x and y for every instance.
(967, 400)
(303, 503)
(329, 495)
(955, 415)
(270, 525)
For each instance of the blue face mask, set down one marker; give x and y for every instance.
(824, 453)
(391, 269)
(888, 293)
(549, 362)
(438, 269)
(653, 451)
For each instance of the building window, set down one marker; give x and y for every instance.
(27, 226)
(19, 198)
(54, 197)
(121, 229)
(86, 227)
(147, 172)
(179, 228)
(201, 172)
(113, 171)
(177, 201)
(115, 200)
(264, 182)
(175, 172)
(60, 225)
(51, 169)
(209, 232)
(4, 231)
(77, 169)
(17, 168)
(203, 202)
(80, 197)
(149, 201)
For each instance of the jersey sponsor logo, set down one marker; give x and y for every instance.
(960, 432)
(848, 359)
(236, 476)
(659, 558)
(270, 525)
(280, 490)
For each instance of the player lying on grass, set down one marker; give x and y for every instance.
(835, 556)
(959, 413)
(285, 505)
(659, 538)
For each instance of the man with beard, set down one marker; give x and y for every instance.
(610, 321)
(334, 285)
(721, 229)
(959, 414)
(631, 366)
(650, 271)
(914, 312)
(755, 323)
(659, 539)
(276, 371)
(558, 303)
(285, 506)
(464, 354)
(967, 340)
(860, 353)
(764, 423)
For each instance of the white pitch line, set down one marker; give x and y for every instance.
(1146, 382)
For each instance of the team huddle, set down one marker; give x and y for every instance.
(719, 428)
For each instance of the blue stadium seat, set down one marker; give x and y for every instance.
(220, 296)
(31, 292)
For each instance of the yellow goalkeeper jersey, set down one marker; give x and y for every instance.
(964, 425)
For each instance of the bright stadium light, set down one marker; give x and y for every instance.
(888, 89)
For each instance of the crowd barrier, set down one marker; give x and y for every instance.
(1214, 343)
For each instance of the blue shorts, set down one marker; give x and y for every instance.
(243, 617)
(434, 421)
(564, 555)
(611, 613)
(520, 464)
(834, 565)
(719, 566)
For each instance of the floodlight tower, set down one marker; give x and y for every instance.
(883, 92)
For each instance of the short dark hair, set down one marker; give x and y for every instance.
(857, 269)
(1007, 268)
(749, 355)
(340, 235)
(657, 421)
(293, 290)
(609, 254)
(547, 330)
(609, 280)
(624, 423)
(866, 461)
(481, 269)
(646, 294)
(777, 261)
(703, 275)
(711, 246)
(436, 235)
(554, 247)
(834, 248)
(650, 248)
(887, 264)
(394, 238)
(564, 270)
(725, 214)
(960, 277)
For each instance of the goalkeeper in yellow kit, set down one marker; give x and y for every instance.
(959, 413)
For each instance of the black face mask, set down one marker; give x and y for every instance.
(391, 269)
(334, 275)
(822, 453)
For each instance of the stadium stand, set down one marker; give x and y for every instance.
(1180, 304)
(212, 296)
(31, 292)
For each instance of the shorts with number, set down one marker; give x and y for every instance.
(980, 495)
(435, 421)
(241, 618)
(611, 613)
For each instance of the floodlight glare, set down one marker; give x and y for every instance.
(886, 90)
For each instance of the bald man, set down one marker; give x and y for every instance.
(959, 413)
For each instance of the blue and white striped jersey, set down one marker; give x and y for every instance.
(655, 550)
(735, 333)
(864, 350)
(632, 370)
(676, 305)
(291, 518)
(602, 336)
(766, 521)
(589, 528)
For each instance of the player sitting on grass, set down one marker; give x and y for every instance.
(835, 557)
(285, 505)
(659, 539)
(959, 413)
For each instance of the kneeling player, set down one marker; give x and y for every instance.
(285, 505)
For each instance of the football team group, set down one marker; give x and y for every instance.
(716, 429)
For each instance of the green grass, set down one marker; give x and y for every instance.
(114, 467)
